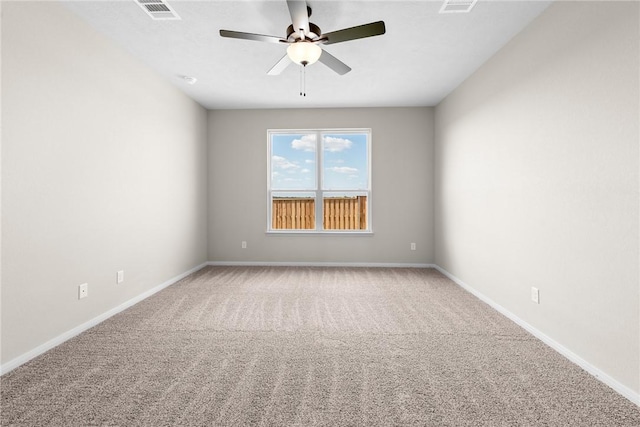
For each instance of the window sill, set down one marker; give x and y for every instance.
(317, 233)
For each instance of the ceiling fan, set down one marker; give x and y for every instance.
(304, 38)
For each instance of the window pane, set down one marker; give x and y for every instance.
(344, 211)
(293, 211)
(345, 162)
(293, 161)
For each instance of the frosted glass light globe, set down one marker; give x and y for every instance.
(304, 53)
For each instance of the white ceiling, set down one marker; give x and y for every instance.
(422, 57)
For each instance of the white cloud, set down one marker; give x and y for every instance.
(309, 161)
(306, 143)
(343, 169)
(283, 163)
(334, 145)
(353, 176)
(305, 171)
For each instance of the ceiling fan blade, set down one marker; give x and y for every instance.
(251, 36)
(299, 15)
(353, 33)
(334, 63)
(280, 66)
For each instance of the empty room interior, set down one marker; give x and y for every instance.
(320, 213)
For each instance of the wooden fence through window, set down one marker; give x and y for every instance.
(340, 213)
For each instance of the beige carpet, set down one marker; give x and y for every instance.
(284, 346)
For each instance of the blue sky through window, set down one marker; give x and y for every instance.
(293, 161)
(345, 162)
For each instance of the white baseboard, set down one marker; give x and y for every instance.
(599, 374)
(24, 358)
(319, 264)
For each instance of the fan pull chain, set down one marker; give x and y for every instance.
(303, 80)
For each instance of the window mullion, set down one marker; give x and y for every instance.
(319, 168)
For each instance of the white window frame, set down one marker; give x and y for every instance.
(319, 191)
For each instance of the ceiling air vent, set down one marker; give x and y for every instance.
(457, 6)
(158, 9)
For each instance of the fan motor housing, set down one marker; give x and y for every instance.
(314, 33)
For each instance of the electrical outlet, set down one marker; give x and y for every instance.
(83, 290)
(120, 276)
(244, 245)
(413, 246)
(535, 295)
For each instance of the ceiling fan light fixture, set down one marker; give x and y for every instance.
(304, 53)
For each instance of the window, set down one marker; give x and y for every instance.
(319, 181)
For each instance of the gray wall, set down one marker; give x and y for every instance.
(402, 182)
(103, 169)
(537, 181)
